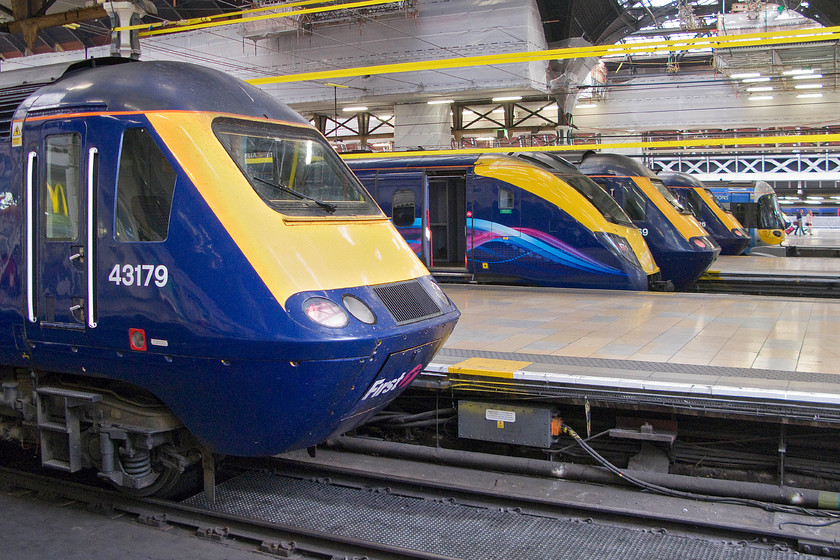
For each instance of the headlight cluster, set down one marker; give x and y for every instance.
(438, 295)
(620, 247)
(330, 314)
(359, 309)
(704, 243)
(327, 313)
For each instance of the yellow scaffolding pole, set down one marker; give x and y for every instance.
(730, 41)
(225, 15)
(698, 143)
(203, 25)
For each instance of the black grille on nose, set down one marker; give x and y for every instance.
(407, 301)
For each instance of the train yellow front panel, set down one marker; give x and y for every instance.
(637, 241)
(725, 217)
(686, 224)
(543, 184)
(289, 255)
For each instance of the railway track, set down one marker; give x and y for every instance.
(343, 504)
(231, 531)
(768, 284)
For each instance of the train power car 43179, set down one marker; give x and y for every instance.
(187, 268)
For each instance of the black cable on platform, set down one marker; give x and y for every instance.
(690, 495)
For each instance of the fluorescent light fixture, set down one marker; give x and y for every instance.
(812, 202)
(807, 76)
(440, 102)
(760, 97)
(754, 80)
(809, 95)
(760, 88)
(354, 109)
(808, 86)
(815, 198)
(745, 75)
(486, 139)
(585, 106)
(797, 72)
(835, 198)
(510, 98)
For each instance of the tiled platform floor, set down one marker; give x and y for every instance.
(761, 260)
(819, 238)
(790, 334)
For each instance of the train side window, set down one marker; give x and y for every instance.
(634, 204)
(505, 199)
(402, 208)
(694, 203)
(145, 186)
(60, 194)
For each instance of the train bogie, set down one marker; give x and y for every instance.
(500, 219)
(209, 254)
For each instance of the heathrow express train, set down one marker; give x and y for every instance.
(682, 248)
(495, 218)
(721, 224)
(187, 268)
(756, 206)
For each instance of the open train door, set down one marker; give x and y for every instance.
(59, 178)
(448, 221)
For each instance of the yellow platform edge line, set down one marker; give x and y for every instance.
(487, 367)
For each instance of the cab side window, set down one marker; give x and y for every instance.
(694, 203)
(145, 185)
(402, 208)
(60, 194)
(634, 204)
(505, 199)
(629, 198)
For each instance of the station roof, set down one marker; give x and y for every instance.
(41, 26)
(603, 22)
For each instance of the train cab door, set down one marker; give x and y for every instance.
(59, 180)
(447, 214)
(401, 194)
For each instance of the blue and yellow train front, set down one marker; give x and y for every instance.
(562, 221)
(682, 248)
(329, 315)
(724, 228)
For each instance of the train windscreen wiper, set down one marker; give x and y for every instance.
(329, 208)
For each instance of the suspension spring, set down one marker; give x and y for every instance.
(138, 464)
